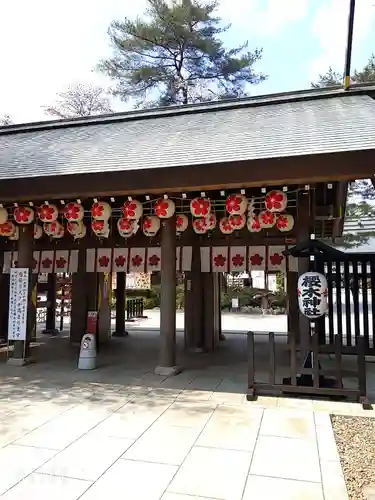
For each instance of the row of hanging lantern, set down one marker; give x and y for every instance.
(240, 213)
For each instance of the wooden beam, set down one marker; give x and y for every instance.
(273, 171)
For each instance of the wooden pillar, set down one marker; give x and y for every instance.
(21, 353)
(51, 305)
(167, 362)
(194, 304)
(304, 230)
(78, 316)
(103, 287)
(120, 305)
(293, 311)
(4, 302)
(209, 311)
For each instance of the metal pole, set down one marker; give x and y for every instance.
(348, 57)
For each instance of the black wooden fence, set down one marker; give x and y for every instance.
(351, 308)
(281, 369)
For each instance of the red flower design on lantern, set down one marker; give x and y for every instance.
(154, 260)
(120, 261)
(200, 226)
(103, 261)
(35, 263)
(46, 263)
(276, 201)
(238, 260)
(200, 207)
(276, 259)
(101, 211)
(98, 225)
(3, 215)
(237, 221)
(164, 208)
(137, 260)
(267, 219)
(151, 225)
(125, 224)
(7, 229)
(220, 260)
(23, 215)
(182, 223)
(73, 212)
(132, 209)
(225, 226)
(285, 222)
(48, 213)
(61, 263)
(256, 259)
(210, 222)
(236, 204)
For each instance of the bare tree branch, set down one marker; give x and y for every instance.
(80, 100)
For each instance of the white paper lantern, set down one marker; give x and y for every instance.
(16, 234)
(3, 215)
(101, 211)
(285, 222)
(38, 232)
(60, 233)
(236, 204)
(150, 225)
(100, 228)
(267, 219)
(164, 209)
(82, 234)
(225, 226)
(312, 294)
(125, 227)
(74, 212)
(237, 222)
(7, 229)
(276, 201)
(52, 228)
(24, 215)
(253, 224)
(211, 222)
(48, 213)
(182, 223)
(200, 225)
(132, 209)
(75, 228)
(200, 207)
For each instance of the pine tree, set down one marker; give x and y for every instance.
(333, 78)
(174, 55)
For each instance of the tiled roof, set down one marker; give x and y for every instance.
(310, 123)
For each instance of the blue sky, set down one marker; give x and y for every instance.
(54, 44)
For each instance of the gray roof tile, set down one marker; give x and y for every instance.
(271, 130)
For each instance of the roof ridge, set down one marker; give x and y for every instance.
(227, 104)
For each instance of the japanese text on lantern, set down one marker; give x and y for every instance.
(312, 295)
(18, 298)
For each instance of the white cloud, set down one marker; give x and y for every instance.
(330, 26)
(263, 17)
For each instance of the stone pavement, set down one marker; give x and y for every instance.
(69, 435)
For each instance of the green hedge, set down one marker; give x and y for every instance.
(248, 297)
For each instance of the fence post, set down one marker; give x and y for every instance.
(251, 367)
(362, 382)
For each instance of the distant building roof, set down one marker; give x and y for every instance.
(284, 125)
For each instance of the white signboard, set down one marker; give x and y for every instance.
(18, 298)
(235, 303)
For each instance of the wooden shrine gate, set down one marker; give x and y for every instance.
(334, 359)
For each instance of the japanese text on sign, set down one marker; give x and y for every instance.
(18, 299)
(312, 295)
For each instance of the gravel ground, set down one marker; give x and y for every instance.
(355, 439)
